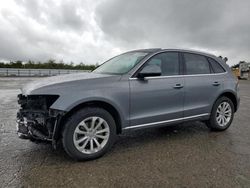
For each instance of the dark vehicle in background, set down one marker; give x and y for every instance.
(135, 90)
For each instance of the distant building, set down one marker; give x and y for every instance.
(248, 65)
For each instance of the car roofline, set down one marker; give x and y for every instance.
(157, 50)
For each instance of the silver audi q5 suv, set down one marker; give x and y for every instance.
(134, 90)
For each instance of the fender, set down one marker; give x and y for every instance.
(67, 107)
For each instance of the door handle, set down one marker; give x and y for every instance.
(216, 84)
(178, 86)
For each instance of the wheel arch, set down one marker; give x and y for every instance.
(97, 103)
(231, 96)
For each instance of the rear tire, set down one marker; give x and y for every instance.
(222, 114)
(89, 133)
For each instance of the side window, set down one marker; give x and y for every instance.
(166, 63)
(217, 68)
(152, 66)
(196, 64)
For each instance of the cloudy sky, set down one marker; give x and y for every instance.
(91, 31)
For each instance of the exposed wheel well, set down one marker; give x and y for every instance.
(112, 110)
(232, 97)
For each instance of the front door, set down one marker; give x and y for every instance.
(157, 99)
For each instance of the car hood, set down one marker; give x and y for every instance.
(62, 79)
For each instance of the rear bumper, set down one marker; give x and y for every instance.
(237, 97)
(238, 104)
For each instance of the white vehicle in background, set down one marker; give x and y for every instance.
(242, 72)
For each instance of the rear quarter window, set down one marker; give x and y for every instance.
(216, 67)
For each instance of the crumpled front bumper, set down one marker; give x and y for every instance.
(33, 128)
(22, 129)
(35, 120)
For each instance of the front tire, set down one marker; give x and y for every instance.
(89, 133)
(222, 114)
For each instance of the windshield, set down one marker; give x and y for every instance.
(121, 64)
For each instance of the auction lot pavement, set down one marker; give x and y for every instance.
(185, 155)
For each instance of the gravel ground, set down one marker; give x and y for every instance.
(185, 155)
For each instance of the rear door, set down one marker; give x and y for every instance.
(202, 85)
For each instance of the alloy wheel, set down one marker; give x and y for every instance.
(223, 114)
(91, 135)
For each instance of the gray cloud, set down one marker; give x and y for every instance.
(63, 15)
(217, 26)
(40, 30)
(91, 31)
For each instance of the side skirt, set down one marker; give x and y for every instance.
(167, 121)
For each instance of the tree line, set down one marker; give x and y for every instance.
(53, 64)
(50, 64)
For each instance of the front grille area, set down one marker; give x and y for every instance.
(33, 119)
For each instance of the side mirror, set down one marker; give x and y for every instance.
(142, 75)
(150, 70)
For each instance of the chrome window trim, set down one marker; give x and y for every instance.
(173, 76)
(166, 121)
(178, 76)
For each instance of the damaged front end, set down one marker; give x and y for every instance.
(35, 119)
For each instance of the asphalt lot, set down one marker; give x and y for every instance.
(186, 155)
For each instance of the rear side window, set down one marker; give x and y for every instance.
(216, 67)
(196, 64)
